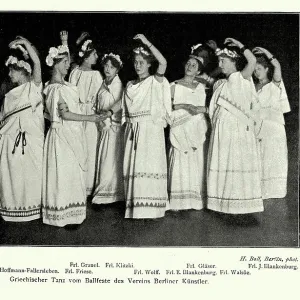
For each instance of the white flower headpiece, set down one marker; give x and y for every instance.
(227, 52)
(115, 56)
(140, 50)
(20, 63)
(84, 47)
(193, 48)
(55, 53)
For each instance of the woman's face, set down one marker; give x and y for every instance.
(141, 65)
(92, 58)
(227, 65)
(15, 75)
(261, 72)
(191, 67)
(109, 70)
(63, 66)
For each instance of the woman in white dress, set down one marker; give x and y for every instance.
(234, 184)
(146, 106)
(187, 137)
(65, 154)
(109, 171)
(22, 137)
(88, 82)
(273, 103)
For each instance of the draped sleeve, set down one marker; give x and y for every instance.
(217, 88)
(35, 94)
(161, 104)
(116, 90)
(283, 99)
(54, 96)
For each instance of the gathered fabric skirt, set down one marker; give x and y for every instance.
(91, 134)
(145, 170)
(21, 176)
(233, 181)
(64, 185)
(109, 171)
(186, 167)
(274, 160)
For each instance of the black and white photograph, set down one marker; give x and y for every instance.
(149, 129)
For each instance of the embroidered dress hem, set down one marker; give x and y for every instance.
(27, 215)
(150, 209)
(66, 216)
(235, 206)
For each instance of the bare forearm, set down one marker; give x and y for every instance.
(156, 53)
(37, 71)
(251, 62)
(277, 70)
(69, 116)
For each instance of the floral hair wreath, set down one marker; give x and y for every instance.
(227, 52)
(55, 53)
(20, 63)
(115, 56)
(84, 47)
(141, 50)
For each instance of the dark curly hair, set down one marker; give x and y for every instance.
(264, 61)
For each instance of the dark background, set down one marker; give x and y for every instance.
(173, 34)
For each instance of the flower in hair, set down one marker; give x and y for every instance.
(63, 49)
(115, 56)
(227, 52)
(55, 53)
(84, 47)
(85, 44)
(140, 50)
(193, 48)
(20, 63)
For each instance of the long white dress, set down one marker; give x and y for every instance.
(186, 156)
(146, 107)
(273, 103)
(110, 154)
(21, 153)
(65, 160)
(88, 83)
(233, 183)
